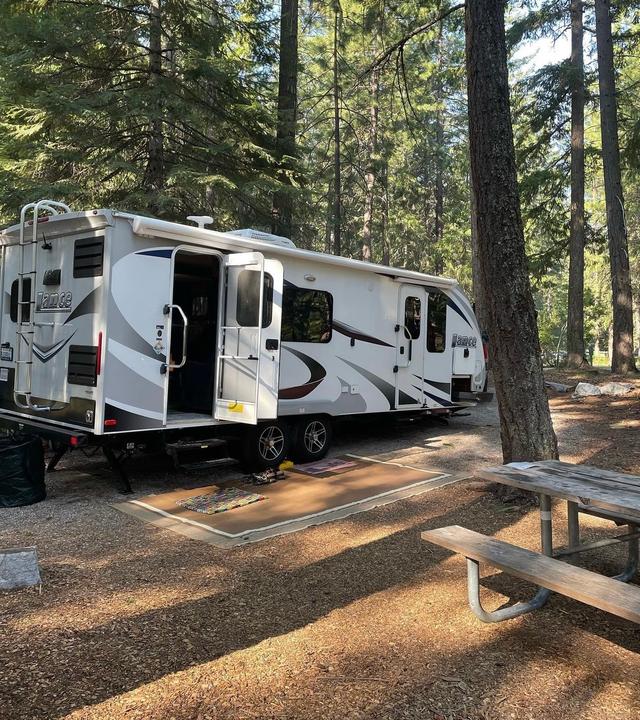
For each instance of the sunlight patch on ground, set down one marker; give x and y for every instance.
(99, 608)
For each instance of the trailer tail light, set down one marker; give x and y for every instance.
(110, 423)
(485, 351)
(73, 441)
(99, 355)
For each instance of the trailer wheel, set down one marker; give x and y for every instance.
(265, 445)
(313, 438)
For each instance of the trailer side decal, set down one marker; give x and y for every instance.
(351, 332)
(128, 420)
(123, 333)
(455, 308)
(440, 401)
(44, 353)
(442, 386)
(387, 389)
(317, 375)
(87, 306)
(164, 253)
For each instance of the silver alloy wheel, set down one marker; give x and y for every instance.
(271, 442)
(315, 437)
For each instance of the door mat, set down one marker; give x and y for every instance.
(297, 502)
(326, 467)
(221, 501)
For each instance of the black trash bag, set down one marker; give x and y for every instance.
(21, 470)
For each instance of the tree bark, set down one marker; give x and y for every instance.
(154, 176)
(370, 171)
(337, 180)
(437, 263)
(281, 211)
(384, 181)
(622, 361)
(328, 225)
(476, 275)
(525, 421)
(575, 314)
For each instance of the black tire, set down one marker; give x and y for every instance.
(312, 439)
(266, 445)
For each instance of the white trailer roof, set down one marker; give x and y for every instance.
(201, 236)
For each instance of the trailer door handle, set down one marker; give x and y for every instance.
(185, 330)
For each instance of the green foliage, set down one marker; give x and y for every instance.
(79, 98)
(91, 114)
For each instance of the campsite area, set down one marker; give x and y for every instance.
(356, 618)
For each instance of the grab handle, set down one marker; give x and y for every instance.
(185, 329)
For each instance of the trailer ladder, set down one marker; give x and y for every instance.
(25, 329)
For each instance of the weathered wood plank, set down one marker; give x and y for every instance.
(583, 585)
(582, 489)
(619, 518)
(607, 477)
(571, 468)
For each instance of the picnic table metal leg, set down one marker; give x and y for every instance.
(573, 524)
(546, 531)
(538, 600)
(473, 580)
(632, 564)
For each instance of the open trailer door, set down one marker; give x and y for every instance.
(248, 348)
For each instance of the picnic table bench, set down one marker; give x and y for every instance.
(610, 495)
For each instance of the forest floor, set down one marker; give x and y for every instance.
(352, 619)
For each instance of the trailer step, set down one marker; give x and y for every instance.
(198, 454)
(195, 444)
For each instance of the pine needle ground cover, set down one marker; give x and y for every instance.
(353, 619)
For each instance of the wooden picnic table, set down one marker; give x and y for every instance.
(603, 493)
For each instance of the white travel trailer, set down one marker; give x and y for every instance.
(114, 326)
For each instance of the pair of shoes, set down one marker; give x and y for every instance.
(266, 477)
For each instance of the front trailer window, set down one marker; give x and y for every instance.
(437, 322)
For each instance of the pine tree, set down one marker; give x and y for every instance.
(622, 360)
(525, 421)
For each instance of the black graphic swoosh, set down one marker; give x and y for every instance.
(351, 332)
(317, 375)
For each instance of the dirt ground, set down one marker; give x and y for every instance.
(352, 619)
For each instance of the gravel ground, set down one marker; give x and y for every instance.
(352, 619)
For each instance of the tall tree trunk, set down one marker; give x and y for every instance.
(384, 182)
(575, 315)
(370, 172)
(476, 275)
(328, 225)
(281, 211)
(154, 177)
(437, 263)
(337, 180)
(622, 360)
(525, 421)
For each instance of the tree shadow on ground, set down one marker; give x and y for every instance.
(123, 653)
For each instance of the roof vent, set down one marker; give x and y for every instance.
(263, 237)
(200, 220)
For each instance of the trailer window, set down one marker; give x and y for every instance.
(26, 296)
(307, 315)
(412, 316)
(248, 298)
(437, 323)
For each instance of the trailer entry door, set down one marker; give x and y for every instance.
(248, 354)
(410, 334)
